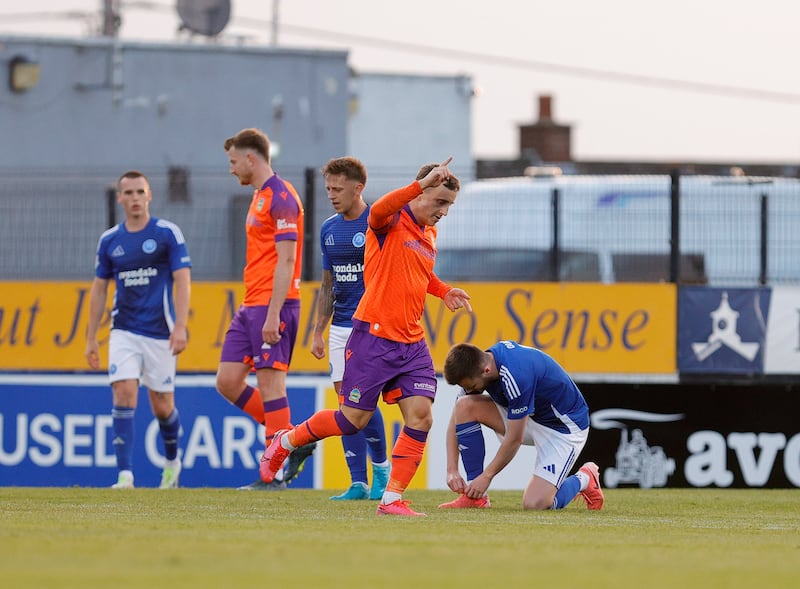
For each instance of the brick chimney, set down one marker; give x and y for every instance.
(545, 107)
(545, 141)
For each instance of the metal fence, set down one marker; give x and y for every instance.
(721, 231)
(51, 219)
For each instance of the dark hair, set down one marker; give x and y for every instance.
(132, 174)
(452, 183)
(463, 361)
(350, 167)
(254, 139)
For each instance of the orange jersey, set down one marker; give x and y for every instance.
(275, 214)
(398, 268)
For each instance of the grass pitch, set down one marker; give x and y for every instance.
(197, 538)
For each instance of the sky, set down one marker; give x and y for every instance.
(685, 80)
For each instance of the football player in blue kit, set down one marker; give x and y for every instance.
(147, 258)
(526, 397)
(342, 240)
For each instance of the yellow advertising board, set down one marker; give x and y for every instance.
(43, 326)
(589, 328)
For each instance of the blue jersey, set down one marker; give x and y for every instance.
(142, 264)
(342, 244)
(534, 385)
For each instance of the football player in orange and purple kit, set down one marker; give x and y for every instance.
(386, 353)
(262, 333)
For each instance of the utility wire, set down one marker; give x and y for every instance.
(50, 15)
(350, 39)
(535, 65)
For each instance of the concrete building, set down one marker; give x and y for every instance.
(401, 121)
(76, 113)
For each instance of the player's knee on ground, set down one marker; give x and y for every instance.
(538, 503)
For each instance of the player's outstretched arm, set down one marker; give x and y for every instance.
(456, 298)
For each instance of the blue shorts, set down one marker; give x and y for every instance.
(374, 366)
(243, 341)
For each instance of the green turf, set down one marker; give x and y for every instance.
(299, 539)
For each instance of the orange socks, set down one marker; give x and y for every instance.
(406, 457)
(277, 416)
(250, 402)
(323, 424)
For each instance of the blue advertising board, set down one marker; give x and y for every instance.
(722, 331)
(60, 434)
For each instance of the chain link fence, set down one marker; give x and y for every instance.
(716, 230)
(725, 231)
(51, 219)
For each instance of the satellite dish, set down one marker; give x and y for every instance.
(204, 17)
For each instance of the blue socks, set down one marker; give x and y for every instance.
(124, 432)
(375, 436)
(355, 447)
(170, 431)
(472, 447)
(122, 441)
(566, 492)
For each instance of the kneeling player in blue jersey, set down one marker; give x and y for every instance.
(526, 397)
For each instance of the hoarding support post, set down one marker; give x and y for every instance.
(675, 227)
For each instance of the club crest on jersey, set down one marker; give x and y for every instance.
(149, 246)
(355, 395)
(359, 239)
(260, 204)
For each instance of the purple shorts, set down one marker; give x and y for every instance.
(243, 342)
(374, 365)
